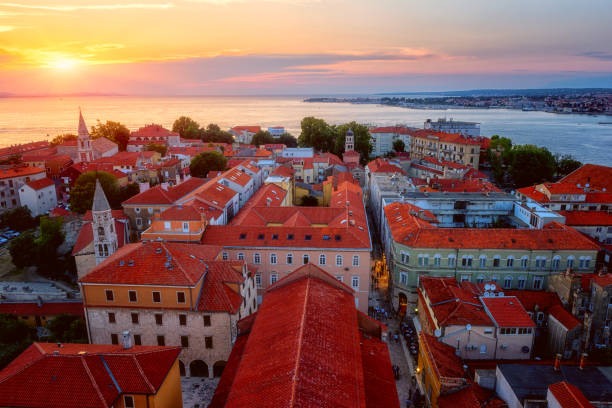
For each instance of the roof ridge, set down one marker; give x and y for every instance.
(92, 379)
(185, 274)
(151, 388)
(300, 337)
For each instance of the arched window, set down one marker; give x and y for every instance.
(483, 261)
(338, 260)
(306, 259)
(555, 262)
(437, 259)
(510, 262)
(570, 261)
(496, 261)
(508, 282)
(322, 259)
(480, 279)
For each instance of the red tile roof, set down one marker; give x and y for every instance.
(217, 295)
(532, 300)
(45, 309)
(180, 213)
(305, 319)
(116, 214)
(400, 130)
(148, 263)
(383, 166)
(40, 183)
(103, 145)
(83, 375)
(60, 212)
(603, 280)
(20, 171)
(598, 177)
(150, 131)
(442, 357)
(569, 396)
(475, 185)
(250, 129)
(237, 176)
(444, 137)
(587, 218)
(472, 396)
(507, 311)
(564, 317)
(412, 231)
(85, 236)
(157, 195)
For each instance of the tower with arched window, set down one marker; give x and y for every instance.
(84, 147)
(103, 225)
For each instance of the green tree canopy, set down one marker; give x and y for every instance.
(530, 164)
(18, 219)
(15, 336)
(187, 127)
(316, 133)
(81, 195)
(261, 138)
(213, 133)
(566, 164)
(159, 148)
(399, 145)
(205, 162)
(59, 139)
(23, 250)
(288, 140)
(66, 328)
(362, 139)
(113, 131)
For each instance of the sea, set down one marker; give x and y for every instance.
(25, 119)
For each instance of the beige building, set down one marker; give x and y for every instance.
(453, 147)
(193, 300)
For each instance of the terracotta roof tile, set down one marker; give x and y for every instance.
(443, 137)
(442, 357)
(383, 166)
(598, 177)
(20, 171)
(564, 317)
(569, 396)
(507, 311)
(587, 218)
(40, 183)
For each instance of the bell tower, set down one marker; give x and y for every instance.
(84, 148)
(103, 226)
(349, 141)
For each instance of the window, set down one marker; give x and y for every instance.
(507, 282)
(273, 259)
(156, 297)
(521, 282)
(540, 262)
(423, 260)
(184, 341)
(290, 237)
(405, 257)
(570, 262)
(183, 320)
(208, 341)
(240, 256)
(132, 296)
(134, 318)
(161, 341)
(340, 278)
(275, 236)
(466, 278)
(273, 278)
(128, 401)
(355, 260)
(289, 259)
(180, 297)
(159, 319)
(437, 261)
(480, 279)
(206, 320)
(111, 317)
(307, 237)
(510, 262)
(537, 282)
(483, 349)
(256, 259)
(496, 261)
(338, 260)
(261, 236)
(224, 256)
(322, 259)
(110, 296)
(185, 226)
(258, 280)
(483, 261)
(494, 278)
(114, 339)
(403, 278)
(524, 262)
(306, 259)
(555, 263)
(137, 340)
(355, 282)
(451, 261)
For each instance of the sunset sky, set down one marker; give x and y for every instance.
(208, 47)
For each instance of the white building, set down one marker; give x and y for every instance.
(39, 196)
(276, 131)
(383, 138)
(452, 126)
(298, 152)
(11, 181)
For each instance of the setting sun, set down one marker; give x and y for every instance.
(62, 63)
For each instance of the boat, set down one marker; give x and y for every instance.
(605, 123)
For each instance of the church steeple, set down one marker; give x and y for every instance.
(349, 141)
(84, 148)
(103, 225)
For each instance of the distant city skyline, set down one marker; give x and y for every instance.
(280, 47)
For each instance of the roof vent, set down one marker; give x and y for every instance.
(121, 262)
(158, 250)
(131, 262)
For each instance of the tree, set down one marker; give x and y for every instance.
(50, 238)
(18, 219)
(531, 164)
(309, 201)
(362, 139)
(159, 148)
(213, 133)
(59, 139)
(187, 128)
(261, 138)
(113, 131)
(15, 336)
(288, 140)
(399, 145)
(566, 164)
(23, 250)
(66, 328)
(81, 195)
(205, 162)
(316, 133)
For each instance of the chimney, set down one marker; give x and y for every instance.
(583, 360)
(268, 201)
(557, 364)
(164, 186)
(127, 339)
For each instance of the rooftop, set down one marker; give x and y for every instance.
(507, 311)
(569, 396)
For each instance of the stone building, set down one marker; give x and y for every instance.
(170, 294)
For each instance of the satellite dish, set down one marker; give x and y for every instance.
(487, 294)
(468, 327)
(487, 286)
(438, 332)
(525, 349)
(492, 286)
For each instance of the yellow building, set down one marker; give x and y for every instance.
(453, 147)
(87, 375)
